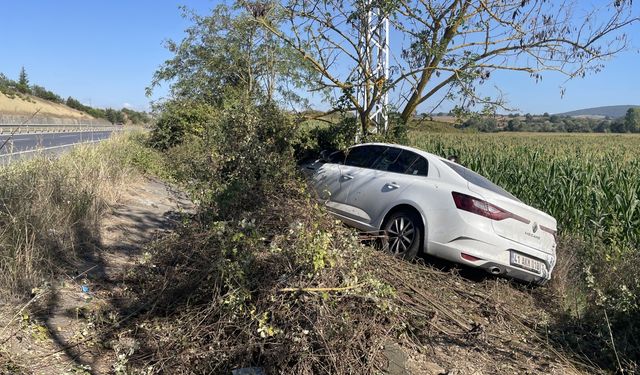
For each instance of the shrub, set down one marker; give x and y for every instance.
(178, 120)
(310, 140)
(240, 156)
(45, 94)
(253, 155)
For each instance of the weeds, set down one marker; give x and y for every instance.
(50, 209)
(264, 277)
(591, 185)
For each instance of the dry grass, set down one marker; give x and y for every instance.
(568, 276)
(27, 105)
(50, 210)
(287, 289)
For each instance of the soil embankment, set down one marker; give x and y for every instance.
(18, 110)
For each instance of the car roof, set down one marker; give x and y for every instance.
(417, 151)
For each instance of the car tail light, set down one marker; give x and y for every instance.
(478, 206)
(469, 257)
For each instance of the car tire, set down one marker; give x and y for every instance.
(402, 235)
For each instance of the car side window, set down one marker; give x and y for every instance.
(363, 156)
(337, 157)
(387, 158)
(401, 161)
(420, 167)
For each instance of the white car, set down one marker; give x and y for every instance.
(424, 203)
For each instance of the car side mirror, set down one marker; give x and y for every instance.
(325, 156)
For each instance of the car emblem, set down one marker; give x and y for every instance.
(535, 227)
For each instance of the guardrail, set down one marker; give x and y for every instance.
(57, 128)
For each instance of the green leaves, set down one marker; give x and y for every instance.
(229, 54)
(180, 119)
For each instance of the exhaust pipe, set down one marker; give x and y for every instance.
(495, 270)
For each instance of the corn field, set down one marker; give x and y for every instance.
(590, 183)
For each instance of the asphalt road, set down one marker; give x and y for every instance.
(27, 143)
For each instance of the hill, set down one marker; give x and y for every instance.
(27, 105)
(613, 111)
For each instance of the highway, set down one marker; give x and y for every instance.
(21, 144)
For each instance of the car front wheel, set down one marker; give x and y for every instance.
(403, 235)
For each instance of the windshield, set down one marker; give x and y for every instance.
(478, 180)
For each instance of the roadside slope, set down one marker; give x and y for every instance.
(29, 105)
(59, 336)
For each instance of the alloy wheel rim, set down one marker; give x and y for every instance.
(401, 234)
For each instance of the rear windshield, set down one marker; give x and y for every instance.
(479, 180)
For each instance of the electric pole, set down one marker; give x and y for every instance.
(373, 70)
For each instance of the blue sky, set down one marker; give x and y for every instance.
(104, 53)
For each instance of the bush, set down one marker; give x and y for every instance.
(310, 140)
(253, 155)
(179, 120)
(45, 94)
(218, 291)
(243, 154)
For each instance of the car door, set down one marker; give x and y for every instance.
(326, 178)
(390, 175)
(354, 170)
(333, 179)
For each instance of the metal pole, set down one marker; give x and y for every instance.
(374, 68)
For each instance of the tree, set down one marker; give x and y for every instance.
(618, 126)
(45, 94)
(514, 125)
(632, 120)
(74, 103)
(112, 115)
(23, 82)
(602, 127)
(446, 48)
(135, 117)
(228, 53)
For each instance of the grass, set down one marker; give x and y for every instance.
(50, 209)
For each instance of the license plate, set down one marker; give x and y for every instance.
(526, 262)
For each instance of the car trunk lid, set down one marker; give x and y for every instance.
(528, 226)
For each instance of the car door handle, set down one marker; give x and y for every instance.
(347, 177)
(393, 185)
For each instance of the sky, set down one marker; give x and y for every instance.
(104, 53)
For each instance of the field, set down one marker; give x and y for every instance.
(590, 183)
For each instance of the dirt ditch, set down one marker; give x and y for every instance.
(58, 337)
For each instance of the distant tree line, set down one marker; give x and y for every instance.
(21, 88)
(630, 123)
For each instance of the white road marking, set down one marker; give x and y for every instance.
(48, 148)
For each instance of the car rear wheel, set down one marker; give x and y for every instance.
(402, 235)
